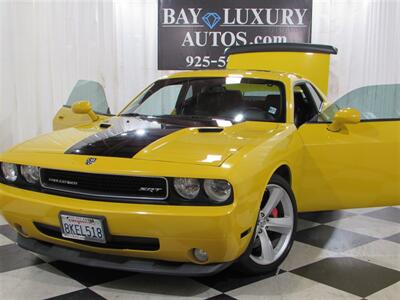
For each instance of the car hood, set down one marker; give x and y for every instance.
(183, 141)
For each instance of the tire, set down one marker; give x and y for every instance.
(272, 239)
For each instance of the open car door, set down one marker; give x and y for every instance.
(356, 165)
(83, 90)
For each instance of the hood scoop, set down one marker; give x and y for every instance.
(105, 125)
(211, 129)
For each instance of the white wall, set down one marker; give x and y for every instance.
(45, 47)
(367, 34)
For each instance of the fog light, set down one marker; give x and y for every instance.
(200, 255)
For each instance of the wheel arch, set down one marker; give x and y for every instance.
(285, 172)
(282, 169)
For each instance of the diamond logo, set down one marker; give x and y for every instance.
(211, 19)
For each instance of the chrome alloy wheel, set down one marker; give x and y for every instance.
(274, 227)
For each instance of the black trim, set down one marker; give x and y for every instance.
(102, 199)
(282, 47)
(113, 241)
(115, 262)
(380, 120)
(20, 182)
(173, 197)
(104, 186)
(202, 198)
(211, 129)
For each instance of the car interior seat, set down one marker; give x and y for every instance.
(217, 101)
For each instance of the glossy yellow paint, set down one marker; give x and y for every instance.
(358, 166)
(85, 107)
(66, 118)
(179, 229)
(354, 167)
(313, 66)
(343, 117)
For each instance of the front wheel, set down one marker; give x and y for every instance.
(275, 229)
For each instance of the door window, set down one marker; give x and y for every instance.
(376, 102)
(89, 91)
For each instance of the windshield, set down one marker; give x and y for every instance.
(234, 98)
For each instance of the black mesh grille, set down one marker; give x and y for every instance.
(105, 185)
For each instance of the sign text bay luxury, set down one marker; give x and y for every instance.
(200, 31)
(239, 16)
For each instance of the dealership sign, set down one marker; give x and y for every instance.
(194, 34)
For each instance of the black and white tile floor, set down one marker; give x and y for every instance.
(351, 254)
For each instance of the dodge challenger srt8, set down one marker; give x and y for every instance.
(203, 169)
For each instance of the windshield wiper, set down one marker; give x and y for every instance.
(184, 117)
(190, 117)
(133, 115)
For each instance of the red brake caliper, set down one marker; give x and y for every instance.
(274, 212)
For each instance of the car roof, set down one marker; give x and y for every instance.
(261, 74)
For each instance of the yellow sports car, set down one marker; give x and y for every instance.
(203, 169)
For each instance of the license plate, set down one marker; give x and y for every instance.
(83, 228)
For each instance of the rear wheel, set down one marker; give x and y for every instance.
(275, 229)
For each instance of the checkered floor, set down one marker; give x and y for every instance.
(352, 254)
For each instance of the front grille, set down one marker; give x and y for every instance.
(104, 186)
(113, 241)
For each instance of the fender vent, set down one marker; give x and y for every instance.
(244, 233)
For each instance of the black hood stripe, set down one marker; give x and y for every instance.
(125, 144)
(127, 136)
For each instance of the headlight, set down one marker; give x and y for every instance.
(30, 173)
(188, 188)
(10, 171)
(217, 190)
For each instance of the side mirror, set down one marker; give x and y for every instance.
(84, 107)
(343, 117)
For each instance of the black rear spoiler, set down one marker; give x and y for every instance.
(282, 47)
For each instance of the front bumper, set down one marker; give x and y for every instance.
(118, 262)
(179, 229)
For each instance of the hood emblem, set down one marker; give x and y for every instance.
(91, 161)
